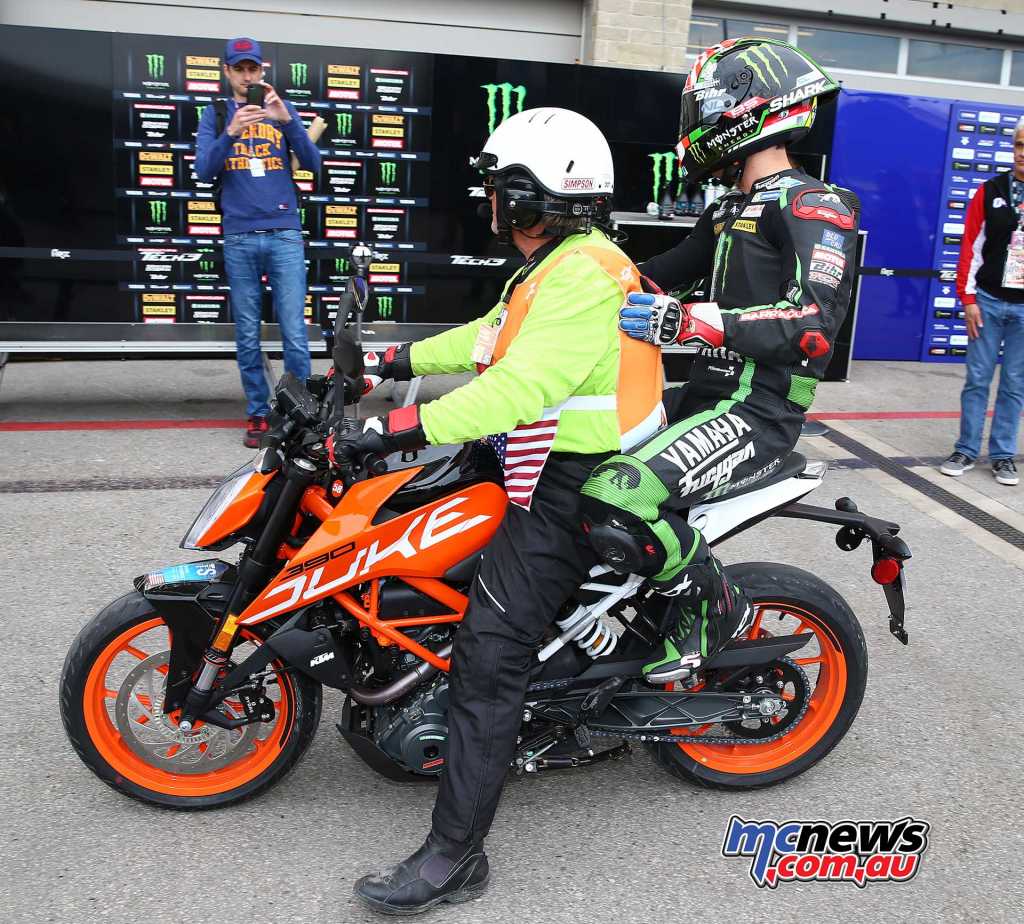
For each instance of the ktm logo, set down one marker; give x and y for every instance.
(441, 524)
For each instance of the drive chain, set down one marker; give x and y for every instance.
(718, 739)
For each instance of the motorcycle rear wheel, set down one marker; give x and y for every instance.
(111, 695)
(835, 662)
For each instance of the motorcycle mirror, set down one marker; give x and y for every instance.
(348, 358)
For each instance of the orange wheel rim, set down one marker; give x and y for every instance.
(255, 754)
(826, 700)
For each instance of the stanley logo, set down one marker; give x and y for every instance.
(343, 122)
(505, 98)
(157, 211)
(300, 74)
(385, 305)
(155, 66)
(662, 168)
(388, 173)
(764, 56)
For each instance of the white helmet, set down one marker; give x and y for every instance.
(547, 161)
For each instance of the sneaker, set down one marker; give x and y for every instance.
(957, 464)
(1005, 471)
(254, 431)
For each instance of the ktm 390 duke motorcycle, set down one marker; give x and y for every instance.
(202, 686)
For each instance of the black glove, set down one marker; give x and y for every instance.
(394, 363)
(400, 431)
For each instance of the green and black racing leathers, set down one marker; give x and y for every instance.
(779, 263)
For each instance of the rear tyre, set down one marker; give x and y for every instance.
(111, 695)
(786, 601)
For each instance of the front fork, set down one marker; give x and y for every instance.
(254, 571)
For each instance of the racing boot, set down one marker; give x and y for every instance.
(711, 612)
(442, 870)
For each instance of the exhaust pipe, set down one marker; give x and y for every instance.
(384, 695)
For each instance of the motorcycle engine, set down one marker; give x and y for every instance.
(414, 731)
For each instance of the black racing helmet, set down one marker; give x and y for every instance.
(744, 95)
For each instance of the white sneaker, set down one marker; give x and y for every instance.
(956, 465)
(1005, 471)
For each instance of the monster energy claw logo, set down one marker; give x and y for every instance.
(388, 173)
(502, 93)
(206, 265)
(661, 171)
(758, 55)
(157, 211)
(199, 112)
(385, 305)
(300, 73)
(340, 265)
(302, 215)
(155, 66)
(343, 122)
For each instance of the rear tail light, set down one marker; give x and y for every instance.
(885, 571)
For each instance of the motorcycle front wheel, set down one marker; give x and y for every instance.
(111, 702)
(834, 662)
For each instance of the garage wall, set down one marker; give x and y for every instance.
(538, 30)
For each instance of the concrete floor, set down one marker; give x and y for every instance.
(86, 510)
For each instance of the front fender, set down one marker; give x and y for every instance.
(190, 598)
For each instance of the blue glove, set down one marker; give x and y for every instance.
(653, 318)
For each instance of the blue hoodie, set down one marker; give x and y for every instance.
(251, 203)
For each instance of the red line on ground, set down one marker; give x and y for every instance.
(219, 424)
(201, 424)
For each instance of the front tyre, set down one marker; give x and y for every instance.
(786, 601)
(111, 701)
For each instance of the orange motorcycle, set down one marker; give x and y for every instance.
(202, 686)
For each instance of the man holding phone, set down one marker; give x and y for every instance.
(245, 143)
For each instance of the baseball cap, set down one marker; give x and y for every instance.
(242, 49)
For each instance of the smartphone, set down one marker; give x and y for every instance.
(254, 95)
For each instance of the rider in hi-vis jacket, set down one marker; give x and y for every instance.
(561, 388)
(778, 257)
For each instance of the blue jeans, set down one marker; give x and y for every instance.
(1003, 325)
(281, 255)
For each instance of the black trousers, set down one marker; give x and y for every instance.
(533, 564)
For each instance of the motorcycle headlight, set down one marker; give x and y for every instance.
(219, 501)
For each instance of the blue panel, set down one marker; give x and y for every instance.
(980, 145)
(891, 150)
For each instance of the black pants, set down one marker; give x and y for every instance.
(533, 564)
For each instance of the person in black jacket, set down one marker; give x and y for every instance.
(990, 283)
(778, 253)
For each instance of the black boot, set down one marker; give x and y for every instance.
(440, 871)
(712, 611)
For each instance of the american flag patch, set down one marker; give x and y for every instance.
(522, 454)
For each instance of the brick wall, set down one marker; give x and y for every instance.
(647, 34)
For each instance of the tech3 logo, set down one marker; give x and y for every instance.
(155, 66)
(505, 97)
(821, 851)
(157, 211)
(343, 123)
(388, 173)
(299, 73)
(385, 306)
(663, 165)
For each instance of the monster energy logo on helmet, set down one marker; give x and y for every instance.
(661, 172)
(758, 56)
(155, 66)
(299, 73)
(343, 122)
(504, 96)
(385, 305)
(157, 211)
(388, 173)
